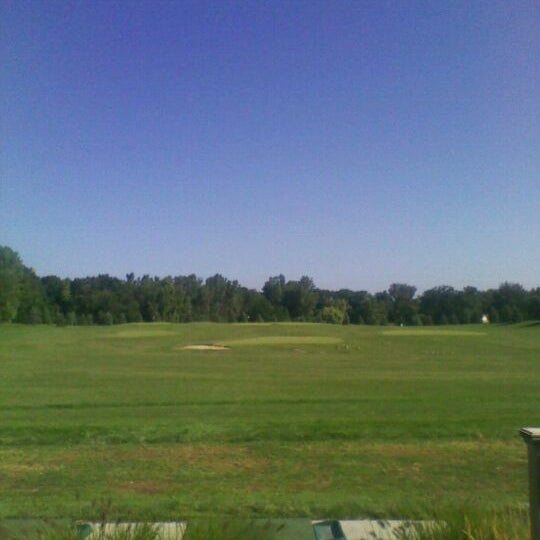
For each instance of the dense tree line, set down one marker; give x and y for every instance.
(27, 298)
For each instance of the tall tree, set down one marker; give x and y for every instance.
(274, 289)
(403, 308)
(12, 273)
(300, 298)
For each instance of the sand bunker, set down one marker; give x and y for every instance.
(205, 348)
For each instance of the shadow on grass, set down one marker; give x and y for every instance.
(530, 324)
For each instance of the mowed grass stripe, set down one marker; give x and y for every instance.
(406, 417)
(350, 478)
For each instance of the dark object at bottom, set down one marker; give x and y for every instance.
(328, 530)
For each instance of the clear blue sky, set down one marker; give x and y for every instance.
(360, 143)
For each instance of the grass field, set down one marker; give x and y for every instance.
(289, 420)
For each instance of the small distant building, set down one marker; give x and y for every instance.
(485, 319)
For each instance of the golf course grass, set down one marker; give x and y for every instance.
(280, 420)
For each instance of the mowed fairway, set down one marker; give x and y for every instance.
(284, 420)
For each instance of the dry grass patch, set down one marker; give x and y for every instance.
(142, 487)
(222, 458)
(21, 468)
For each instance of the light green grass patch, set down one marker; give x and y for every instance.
(282, 340)
(422, 332)
(136, 333)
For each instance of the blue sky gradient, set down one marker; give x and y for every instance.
(360, 143)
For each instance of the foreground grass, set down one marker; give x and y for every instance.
(270, 479)
(293, 420)
(507, 524)
(207, 530)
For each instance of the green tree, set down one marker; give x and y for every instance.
(332, 315)
(533, 304)
(510, 300)
(438, 303)
(336, 311)
(403, 309)
(374, 309)
(11, 270)
(274, 289)
(32, 306)
(258, 307)
(300, 298)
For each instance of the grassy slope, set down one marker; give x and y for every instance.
(343, 421)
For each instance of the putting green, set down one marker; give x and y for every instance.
(136, 333)
(282, 340)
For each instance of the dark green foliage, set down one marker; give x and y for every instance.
(11, 270)
(300, 298)
(105, 300)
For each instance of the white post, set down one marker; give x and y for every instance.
(532, 437)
